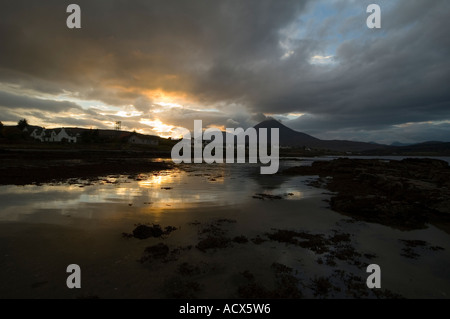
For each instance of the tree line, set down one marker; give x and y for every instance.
(14, 132)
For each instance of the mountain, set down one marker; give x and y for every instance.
(427, 143)
(289, 137)
(442, 148)
(400, 144)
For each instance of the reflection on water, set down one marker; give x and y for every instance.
(179, 197)
(190, 186)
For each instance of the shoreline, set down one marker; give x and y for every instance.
(24, 167)
(265, 247)
(404, 194)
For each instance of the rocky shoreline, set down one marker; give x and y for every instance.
(333, 252)
(405, 194)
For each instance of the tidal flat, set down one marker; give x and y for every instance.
(208, 231)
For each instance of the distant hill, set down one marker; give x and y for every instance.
(427, 147)
(400, 144)
(289, 137)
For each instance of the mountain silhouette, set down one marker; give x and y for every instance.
(292, 138)
(288, 137)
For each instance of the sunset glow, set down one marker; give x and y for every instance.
(162, 129)
(314, 65)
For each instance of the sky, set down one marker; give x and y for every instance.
(157, 66)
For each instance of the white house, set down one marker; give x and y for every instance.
(56, 135)
(62, 135)
(38, 134)
(143, 139)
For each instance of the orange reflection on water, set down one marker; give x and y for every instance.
(158, 180)
(166, 190)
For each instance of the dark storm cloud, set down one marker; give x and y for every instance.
(397, 77)
(173, 45)
(78, 122)
(13, 101)
(8, 115)
(243, 58)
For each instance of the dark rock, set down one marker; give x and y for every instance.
(169, 229)
(144, 231)
(280, 268)
(157, 251)
(240, 239)
(314, 242)
(213, 243)
(258, 240)
(187, 269)
(404, 194)
(266, 196)
(127, 235)
(248, 275)
(411, 247)
(321, 286)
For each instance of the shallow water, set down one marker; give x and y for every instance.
(45, 228)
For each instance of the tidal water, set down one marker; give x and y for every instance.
(44, 228)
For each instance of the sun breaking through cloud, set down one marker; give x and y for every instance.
(229, 63)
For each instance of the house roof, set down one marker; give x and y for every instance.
(37, 131)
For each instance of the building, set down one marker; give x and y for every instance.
(141, 139)
(63, 135)
(56, 135)
(38, 134)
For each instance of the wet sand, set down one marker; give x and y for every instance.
(229, 241)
